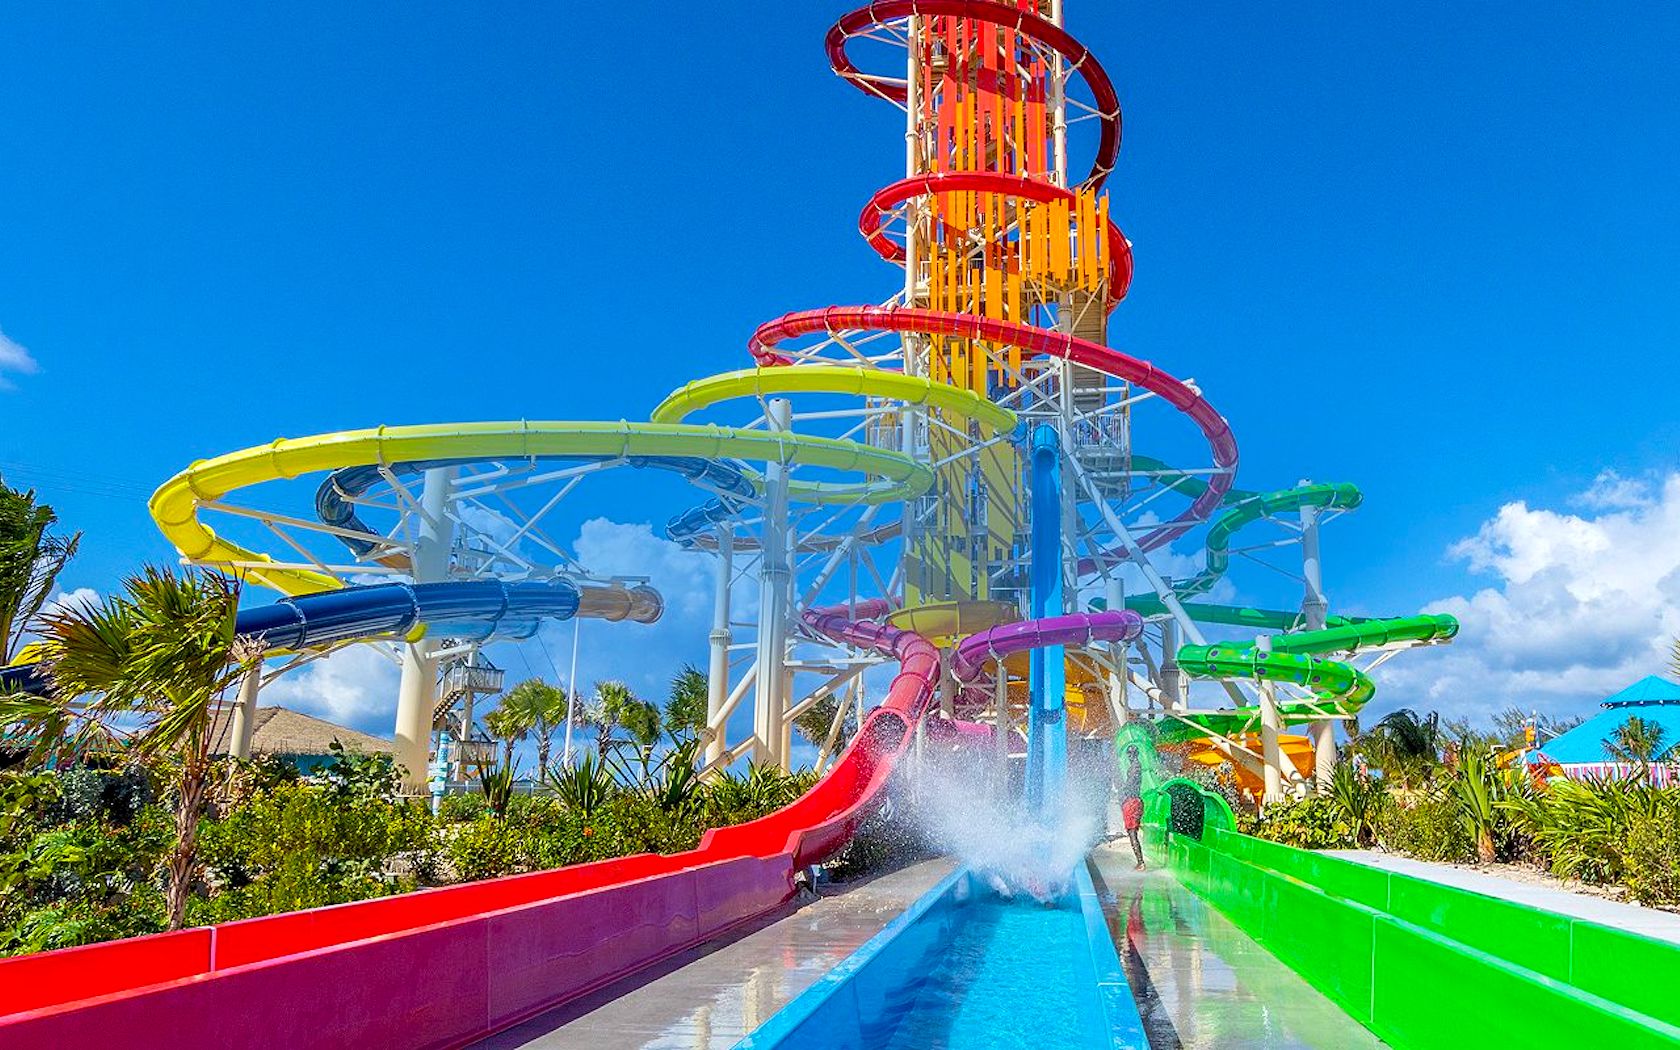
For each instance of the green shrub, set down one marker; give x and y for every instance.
(1430, 829)
(79, 858)
(1653, 855)
(1313, 822)
(462, 809)
(305, 845)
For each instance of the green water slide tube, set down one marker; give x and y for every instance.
(1297, 658)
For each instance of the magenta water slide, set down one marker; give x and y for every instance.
(444, 967)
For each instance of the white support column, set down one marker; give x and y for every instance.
(770, 699)
(1172, 679)
(572, 694)
(1270, 725)
(1119, 653)
(1315, 610)
(1000, 714)
(245, 712)
(947, 686)
(717, 670)
(417, 694)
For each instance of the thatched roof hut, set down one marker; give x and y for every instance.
(291, 734)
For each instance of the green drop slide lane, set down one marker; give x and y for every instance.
(1426, 965)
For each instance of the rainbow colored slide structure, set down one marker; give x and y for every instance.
(973, 488)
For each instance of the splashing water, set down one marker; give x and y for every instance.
(963, 810)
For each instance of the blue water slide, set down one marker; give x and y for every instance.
(473, 610)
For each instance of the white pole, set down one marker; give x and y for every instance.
(717, 670)
(1270, 724)
(1118, 652)
(1315, 610)
(417, 693)
(245, 712)
(571, 693)
(769, 699)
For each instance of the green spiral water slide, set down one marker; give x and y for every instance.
(1299, 657)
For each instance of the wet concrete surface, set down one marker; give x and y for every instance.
(713, 995)
(1201, 982)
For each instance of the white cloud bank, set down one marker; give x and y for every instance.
(14, 360)
(1583, 604)
(355, 687)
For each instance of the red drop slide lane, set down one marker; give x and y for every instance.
(445, 967)
(1079, 59)
(890, 197)
(1032, 340)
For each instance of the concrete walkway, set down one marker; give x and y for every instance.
(1661, 925)
(715, 994)
(1201, 983)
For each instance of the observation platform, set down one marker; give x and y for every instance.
(1630, 918)
(715, 994)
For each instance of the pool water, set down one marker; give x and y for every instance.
(1015, 974)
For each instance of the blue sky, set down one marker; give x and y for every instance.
(1427, 248)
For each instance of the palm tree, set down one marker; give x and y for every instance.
(1674, 659)
(1638, 742)
(30, 560)
(685, 710)
(508, 725)
(1405, 745)
(156, 661)
(617, 707)
(541, 709)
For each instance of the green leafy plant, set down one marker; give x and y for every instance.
(1308, 823)
(1428, 828)
(31, 557)
(1357, 801)
(537, 708)
(496, 783)
(159, 657)
(1476, 792)
(584, 787)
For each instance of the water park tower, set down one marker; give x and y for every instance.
(966, 469)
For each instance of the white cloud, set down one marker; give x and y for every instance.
(646, 656)
(15, 359)
(1583, 605)
(356, 687)
(1611, 491)
(79, 598)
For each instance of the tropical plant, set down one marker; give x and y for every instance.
(508, 725)
(815, 723)
(675, 787)
(1427, 828)
(685, 708)
(583, 787)
(156, 660)
(496, 784)
(1405, 746)
(31, 557)
(541, 709)
(1314, 822)
(1582, 826)
(1476, 792)
(1639, 742)
(616, 707)
(1357, 801)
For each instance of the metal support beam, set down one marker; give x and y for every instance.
(770, 699)
(717, 671)
(417, 694)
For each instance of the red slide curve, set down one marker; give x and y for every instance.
(445, 967)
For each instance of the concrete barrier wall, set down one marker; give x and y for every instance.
(1427, 965)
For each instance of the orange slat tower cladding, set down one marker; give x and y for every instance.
(984, 107)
